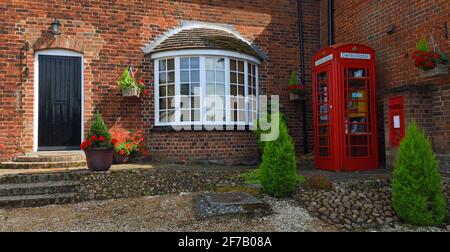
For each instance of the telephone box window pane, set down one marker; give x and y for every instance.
(358, 140)
(359, 151)
(357, 84)
(357, 73)
(323, 152)
(323, 141)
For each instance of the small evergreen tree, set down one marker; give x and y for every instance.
(278, 170)
(98, 127)
(416, 188)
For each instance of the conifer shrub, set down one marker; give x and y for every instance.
(278, 169)
(416, 187)
(98, 127)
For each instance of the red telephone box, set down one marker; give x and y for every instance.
(344, 108)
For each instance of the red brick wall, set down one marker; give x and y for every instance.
(110, 34)
(427, 101)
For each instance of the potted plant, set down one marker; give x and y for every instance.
(98, 146)
(128, 85)
(127, 145)
(429, 62)
(295, 89)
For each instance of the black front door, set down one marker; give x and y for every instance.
(59, 103)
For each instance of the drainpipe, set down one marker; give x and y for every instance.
(330, 22)
(302, 74)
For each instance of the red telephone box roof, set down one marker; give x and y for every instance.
(352, 50)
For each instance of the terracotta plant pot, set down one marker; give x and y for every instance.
(99, 159)
(120, 159)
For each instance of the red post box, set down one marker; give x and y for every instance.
(344, 108)
(396, 120)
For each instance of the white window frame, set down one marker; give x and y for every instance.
(202, 54)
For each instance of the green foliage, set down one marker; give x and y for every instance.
(416, 188)
(293, 80)
(258, 131)
(252, 177)
(422, 45)
(126, 81)
(98, 128)
(278, 170)
(443, 58)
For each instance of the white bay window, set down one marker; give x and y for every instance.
(205, 87)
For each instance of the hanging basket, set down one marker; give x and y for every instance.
(131, 92)
(439, 70)
(296, 91)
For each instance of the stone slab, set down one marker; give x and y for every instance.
(217, 204)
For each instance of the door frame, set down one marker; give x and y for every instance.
(53, 52)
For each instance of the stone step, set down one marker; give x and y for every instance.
(36, 200)
(41, 165)
(53, 187)
(50, 158)
(38, 177)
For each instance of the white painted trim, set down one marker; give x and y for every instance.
(53, 52)
(202, 62)
(205, 52)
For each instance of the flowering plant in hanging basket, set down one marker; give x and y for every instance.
(98, 146)
(429, 62)
(128, 85)
(295, 89)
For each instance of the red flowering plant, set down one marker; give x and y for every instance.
(98, 137)
(127, 143)
(426, 59)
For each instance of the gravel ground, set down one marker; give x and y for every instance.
(160, 213)
(163, 213)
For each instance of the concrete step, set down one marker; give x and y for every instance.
(52, 187)
(36, 200)
(41, 165)
(38, 177)
(50, 158)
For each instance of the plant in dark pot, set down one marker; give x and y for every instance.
(127, 145)
(98, 146)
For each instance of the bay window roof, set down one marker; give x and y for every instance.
(202, 38)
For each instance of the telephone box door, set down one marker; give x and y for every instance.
(359, 107)
(322, 84)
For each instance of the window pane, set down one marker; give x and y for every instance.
(171, 115)
(162, 91)
(163, 116)
(195, 89)
(233, 78)
(210, 89)
(171, 77)
(195, 76)
(162, 65)
(170, 64)
(241, 66)
(210, 76)
(220, 64)
(220, 89)
(184, 102)
(171, 103)
(162, 78)
(220, 76)
(195, 102)
(195, 63)
(185, 115)
(171, 90)
(184, 76)
(241, 78)
(184, 89)
(162, 103)
(233, 65)
(184, 63)
(209, 63)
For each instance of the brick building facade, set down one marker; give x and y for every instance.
(426, 100)
(111, 35)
